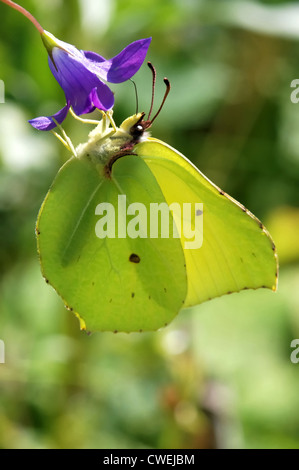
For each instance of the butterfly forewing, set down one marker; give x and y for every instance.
(236, 253)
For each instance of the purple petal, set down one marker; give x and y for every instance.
(102, 99)
(77, 81)
(121, 67)
(100, 96)
(128, 62)
(93, 56)
(46, 123)
(73, 78)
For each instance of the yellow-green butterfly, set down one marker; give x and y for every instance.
(118, 276)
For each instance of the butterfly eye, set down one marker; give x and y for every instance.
(137, 131)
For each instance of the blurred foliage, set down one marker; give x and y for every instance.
(220, 375)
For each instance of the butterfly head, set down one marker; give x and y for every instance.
(136, 126)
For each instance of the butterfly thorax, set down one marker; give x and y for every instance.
(106, 141)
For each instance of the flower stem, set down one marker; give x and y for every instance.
(25, 13)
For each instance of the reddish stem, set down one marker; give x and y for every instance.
(25, 13)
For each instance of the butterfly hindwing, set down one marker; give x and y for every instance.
(118, 284)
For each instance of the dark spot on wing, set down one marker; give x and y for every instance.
(134, 258)
(243, 208)
(199, 212)
(221, 192)
(47, 281)
(115, 331)
(133, 295)
(273, 246)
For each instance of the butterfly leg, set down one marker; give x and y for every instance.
(66, 141)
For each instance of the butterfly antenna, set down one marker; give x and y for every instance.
(136, 95)
(153, 70)
(167, 83)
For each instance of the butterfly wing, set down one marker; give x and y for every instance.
(117, 284)
(237, 251)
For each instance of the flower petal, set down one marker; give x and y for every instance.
(46, 123)
(77, 81)
(93, 57)
(102, 97)
(121, 67)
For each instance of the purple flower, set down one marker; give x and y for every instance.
(79, 73)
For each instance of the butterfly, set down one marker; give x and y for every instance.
(131, 232)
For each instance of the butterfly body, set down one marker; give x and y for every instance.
(105, 143)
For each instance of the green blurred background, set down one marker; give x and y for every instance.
(220, 376)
